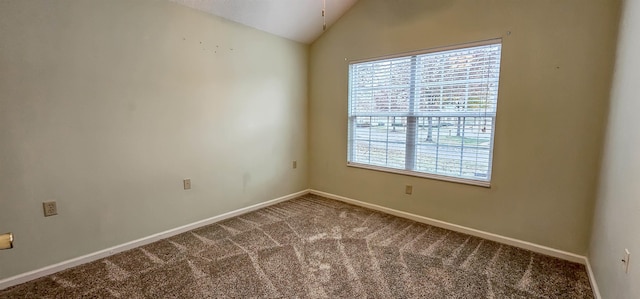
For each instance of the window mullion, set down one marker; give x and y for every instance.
(437, 144)
(369, 144)
(412, 124)
(464, 122)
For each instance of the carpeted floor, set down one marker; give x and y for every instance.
(316, 247)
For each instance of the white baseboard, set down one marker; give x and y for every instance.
(462, 229)
(31, 275)
(592, 279)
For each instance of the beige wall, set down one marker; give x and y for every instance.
(105, 106)
(616, 223)
(555, 79)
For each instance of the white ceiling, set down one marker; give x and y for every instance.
(299, 20)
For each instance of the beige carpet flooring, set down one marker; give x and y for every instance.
(313, 247)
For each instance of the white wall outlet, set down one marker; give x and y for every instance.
(49, 208)
(294, 165)
(625, 260)
(187, 184)
(408, 189)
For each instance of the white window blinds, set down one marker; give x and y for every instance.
(426, 113)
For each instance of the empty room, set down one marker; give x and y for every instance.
(319, 149)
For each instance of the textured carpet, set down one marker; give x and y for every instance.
(316, 247)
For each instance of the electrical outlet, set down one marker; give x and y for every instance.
(294, 165)
(625, 260)
(6, 241)
(187, 184)
(408, 189)
(49, 208)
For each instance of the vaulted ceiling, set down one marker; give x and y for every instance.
(298, 20)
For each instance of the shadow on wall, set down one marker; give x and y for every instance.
(388, 10)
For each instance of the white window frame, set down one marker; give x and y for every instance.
(410, 117)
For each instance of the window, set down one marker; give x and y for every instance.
(429, 114)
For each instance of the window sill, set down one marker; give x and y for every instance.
(422, 175)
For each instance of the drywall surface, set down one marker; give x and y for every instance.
(616, 224)
(555, 78)
(106, 106)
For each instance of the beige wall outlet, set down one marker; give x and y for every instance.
(187, 184)
(6, 241)
(50, 208)
(294, 165)
(408, 189)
